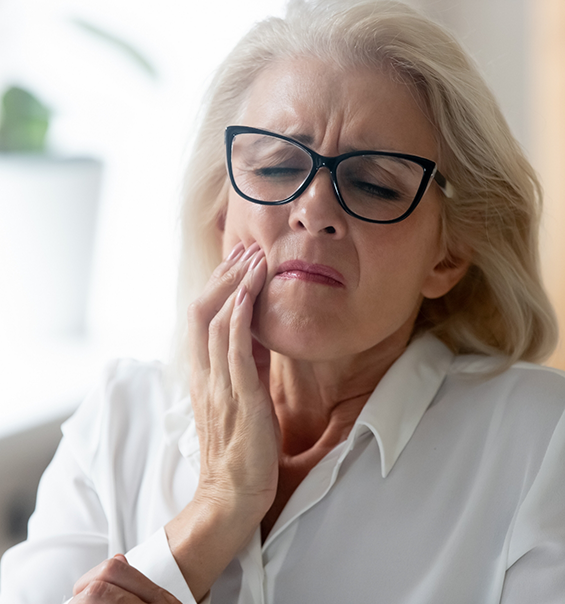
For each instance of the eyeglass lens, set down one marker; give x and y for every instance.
(378, 187)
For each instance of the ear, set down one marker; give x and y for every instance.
(446, 274)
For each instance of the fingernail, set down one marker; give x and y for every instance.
(250, 251)
(238, 248)
(258, 257)
(240, 295)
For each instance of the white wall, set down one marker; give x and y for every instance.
(497, 35)
(108, 108)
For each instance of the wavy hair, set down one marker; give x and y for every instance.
(500, 306)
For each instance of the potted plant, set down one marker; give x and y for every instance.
(48, 214)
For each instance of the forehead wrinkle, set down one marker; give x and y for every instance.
(314, 104)
(286, 116)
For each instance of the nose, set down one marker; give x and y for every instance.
(317, 210)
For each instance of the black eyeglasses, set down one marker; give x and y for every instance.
(374, 186)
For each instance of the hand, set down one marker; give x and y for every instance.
(116, 581)
(237, 427)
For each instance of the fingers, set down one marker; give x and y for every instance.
(242, 365)
(225, 280)
(101, 592)
(220, 338)
(232, 405)
(223, 283)
(116, 581)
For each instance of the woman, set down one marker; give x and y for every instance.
(361, 424)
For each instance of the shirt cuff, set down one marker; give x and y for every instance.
(154, 559)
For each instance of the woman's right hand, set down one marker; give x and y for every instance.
(234, 414)
(237, 427)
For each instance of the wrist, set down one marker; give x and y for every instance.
(246, 504)
(205, 537)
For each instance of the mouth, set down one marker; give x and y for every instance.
(314, 273)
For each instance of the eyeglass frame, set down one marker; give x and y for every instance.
(429, 166)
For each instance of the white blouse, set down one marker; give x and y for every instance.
(450, 489)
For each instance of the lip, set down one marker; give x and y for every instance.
(315, 273)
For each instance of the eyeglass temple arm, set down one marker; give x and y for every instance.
(444, 184)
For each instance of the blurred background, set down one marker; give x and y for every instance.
(88, 234)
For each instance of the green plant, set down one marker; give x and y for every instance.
(24, 119)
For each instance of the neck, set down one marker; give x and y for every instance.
(317, 402)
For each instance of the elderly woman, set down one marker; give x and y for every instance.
(363, 423)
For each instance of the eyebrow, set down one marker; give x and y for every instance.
(308, 140)
(305, 139)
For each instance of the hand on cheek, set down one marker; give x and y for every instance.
(237, 428)
(240, 456)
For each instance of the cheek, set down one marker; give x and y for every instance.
(235, 223)
(249, 222)
(400, 260)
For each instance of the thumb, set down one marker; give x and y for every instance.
(122, 558)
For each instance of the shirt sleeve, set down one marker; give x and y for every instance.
(73, 528)
(67, 536)
(154, 559)
(536, 560)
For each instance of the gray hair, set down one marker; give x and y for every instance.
(500, 306)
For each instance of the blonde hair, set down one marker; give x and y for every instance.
(500, 306)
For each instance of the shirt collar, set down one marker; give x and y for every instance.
(392, 412)
(401, 398)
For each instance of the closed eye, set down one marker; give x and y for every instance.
(277, 171)
(376, 190)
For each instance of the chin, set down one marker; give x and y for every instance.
(300, 325)
(296, 335)
(297, 349)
